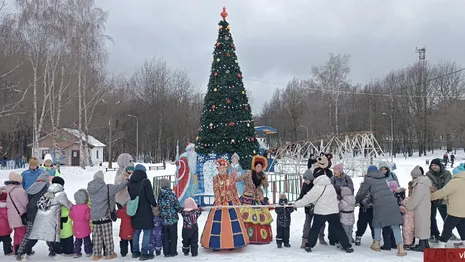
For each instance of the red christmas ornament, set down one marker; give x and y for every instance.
(232, 45)
(213, 107)
(228, 54)
(218, 44)
(231, 124)
(228, 101)
(239, 75)
(252, 139)
(246, 109)
(215, 74)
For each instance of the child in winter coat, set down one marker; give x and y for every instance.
(190, 229)
(408, 228)
(169, 209)
(126, 232)
(5, 230)
(80, 215)
(283, 222)
(346, 209)
(365, 218)
(16, 203)
(389, 241)
(66, 233)
(156, 242)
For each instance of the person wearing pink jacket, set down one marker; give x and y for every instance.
(80, 214)
(16, 204)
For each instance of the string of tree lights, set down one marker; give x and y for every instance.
(226, 124)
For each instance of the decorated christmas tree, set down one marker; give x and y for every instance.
(226, 124)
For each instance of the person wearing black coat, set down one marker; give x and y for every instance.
(307, 185)
(283, 222)
(142, 221)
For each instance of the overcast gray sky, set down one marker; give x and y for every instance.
(279, 39)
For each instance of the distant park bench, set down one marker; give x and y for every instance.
(154, 167)
(110, 169)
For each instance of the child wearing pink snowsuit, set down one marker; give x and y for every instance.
(16, 204)
(408, 228)
(5, 229)
(80, 214)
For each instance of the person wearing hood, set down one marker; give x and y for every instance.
(386, 211)
(5, 229)
(346, 209)
(125, 169)
(80, 214)
(142, 221)
(31, 175)
(47, 221)
(49, 166)
(16, 204)
(169, 209)
(306, 187)
(102, 199)
(34, 193)
(454, 194)
(439, 177)
(324, 198)
(190, 228)
(385, 168)
(283, 222)
(420, 204)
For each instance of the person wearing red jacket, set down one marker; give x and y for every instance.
(126, 232)
(5, 230)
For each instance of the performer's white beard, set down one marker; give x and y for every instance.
(192, 161)
(234, 165)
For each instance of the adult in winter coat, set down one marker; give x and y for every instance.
(31, 175)
(386, 211)
(439, 176)
(18, 195)
(306, 187)
(125, 169)
(102, 199)
(34, 193)
(385, 168)
(47, 221)
(454, 194)
(420, 203)
(142, 221)
(340, 180)
(324, 198)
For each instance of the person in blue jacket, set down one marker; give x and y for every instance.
(31, 175)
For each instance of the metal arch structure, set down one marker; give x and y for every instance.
(355, 149)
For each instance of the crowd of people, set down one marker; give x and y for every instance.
(35, 207)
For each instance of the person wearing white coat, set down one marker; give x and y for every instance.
(326, 209)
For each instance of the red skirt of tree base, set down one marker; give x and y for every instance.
(257, 221)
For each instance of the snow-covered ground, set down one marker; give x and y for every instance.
(77, 178)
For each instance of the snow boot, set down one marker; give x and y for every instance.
(77, 255)
(434, 239)
(459, 245)
(308, 249)
(287, 245)
(400, 250)
(348, 250)
(96, 258)
(322, 240)
(136, 255)
(358, 241)
(304, 243)
(157, 252)
(112, 256)
(375, 246)
(421, 246)
(280, 246)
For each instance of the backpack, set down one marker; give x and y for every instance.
(133, 204)
(45, 201)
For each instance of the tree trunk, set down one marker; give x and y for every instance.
(80, 108)
(160, 131)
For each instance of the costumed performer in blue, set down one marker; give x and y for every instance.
(186, 178)
(236, 171)
(224, 228)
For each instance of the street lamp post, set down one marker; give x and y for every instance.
(137, 136)
(392, 136)
(305, 128)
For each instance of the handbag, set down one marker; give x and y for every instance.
(311, 207)
(113, 216)
(131, 206)
(22, 216)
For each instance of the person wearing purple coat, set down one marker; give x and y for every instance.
(156, 242)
